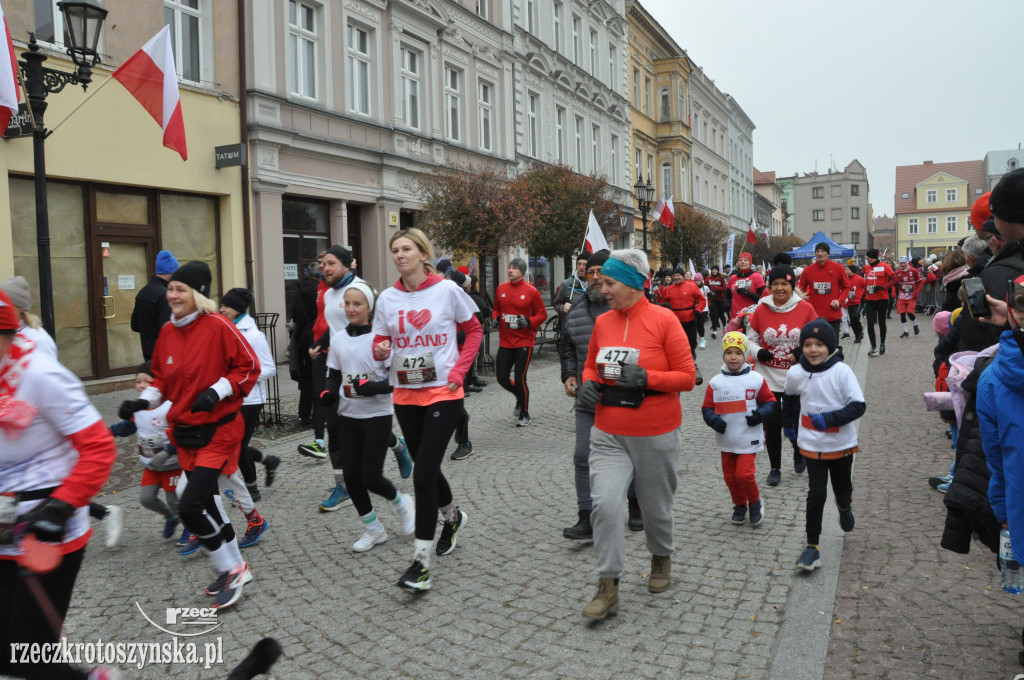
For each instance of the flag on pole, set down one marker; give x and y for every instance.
(767, 237)
(751, 235)
(595, 237)
(150, 76)
(663, 213)
(9, 93)
(693, 272)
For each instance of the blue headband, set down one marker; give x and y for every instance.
(620, 271)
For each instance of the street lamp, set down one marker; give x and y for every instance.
(644, 195)
(84, 21)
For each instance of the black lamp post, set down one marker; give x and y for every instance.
(644, 195)
(83, 20)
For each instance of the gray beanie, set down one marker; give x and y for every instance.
(519, 263)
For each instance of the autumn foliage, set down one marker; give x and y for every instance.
(697, 236)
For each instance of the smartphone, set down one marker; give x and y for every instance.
(972, 293)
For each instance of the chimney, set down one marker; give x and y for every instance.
(927, 163)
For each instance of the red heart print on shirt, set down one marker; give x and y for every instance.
(419, 319)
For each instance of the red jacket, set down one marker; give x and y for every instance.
(824, 284)
(518, 299)
(879, 275)
(320, 325)
(684, 300)
(718, 286)
(857, 288)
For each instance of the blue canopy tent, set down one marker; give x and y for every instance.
(806, 251)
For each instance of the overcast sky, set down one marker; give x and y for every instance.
(886, 82)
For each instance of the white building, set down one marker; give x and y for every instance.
(741, 166)
(709, 134)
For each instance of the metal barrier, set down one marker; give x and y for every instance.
(271, 414)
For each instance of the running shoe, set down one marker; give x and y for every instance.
(193, 545)
(478, 382)
(369, 539)
(700, 378)
(810, 559)
(917, 329)
(463, 451)
(943, 488)
(270, 464)
(472, 388)
(934, 482)
(714, 335)
(232, 589)
(799, 464)
(739, 513)
(112, 524)
(446, 543)
(406, 510)
(881, 348)
(756, 512)
(185, 537)
(858, 339)
(253, 533)
(904, 334)
(844, 335)
(846, 520)
(416, 577)
(873, 352)
(401, 452)
(524, 420)
(774, 477)
(517, 411)
(254, 492)
(703, 344)
(218, 585)
(339, 497)
(170, 524)
(314, 449)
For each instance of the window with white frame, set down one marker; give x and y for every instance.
(933, 225)
(684, 190)
(855, 190)
(358, 60)
(612, 58)
(650, 169)
(818, 216)
(560, 133)
(714, 196)
(666, 180)
(595, 148)
(950, 195)
(482, 10)
(579, 144)
(912, 226)
(664, 105)
(49, 22)
(533, 110)
(932, 196)
(302, 44)
(951, 224)
(531, 16)
(854, 213)
(612, 157)
(486, 103)
(647, 96)
(636, 87)
(637, 165)
(185, 19)
(593, 53)
(696, 185)
(557, 25)
(453, 103)
(576, 27)
(411, 64)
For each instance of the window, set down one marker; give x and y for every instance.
(650, 168)
(557, 22)
(595, 147)
(951, 224)
(933, 225)
(579, 144)
(613, 159)
(560, 133)
(49, 22)
(531, 124)
(912, 226)
(486, 103)
(819, 216)
(302, 45)
(481, 9)
(358, 70)
(837, 213)
(932, 196)
(855, 191)
(453, 103)
(638, 169)
(705, 133)
(1011, 164)
(612, 58)
(904, 195)
(593, 53)
(666, 180)
(854, 237)
(531, 15)
(183, 16)
(837, 190)
(636, 88)
(411, 88)
(576, 23)
(664, 105)
(854, 213)
(950, 195)
(817, 192)
(647, 96)
(682, 182)
(697, 185)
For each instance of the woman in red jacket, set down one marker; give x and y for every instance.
(204, 367)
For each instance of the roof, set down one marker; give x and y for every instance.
(764, 177)
(909, 176)
(807, 249)
(883, 224)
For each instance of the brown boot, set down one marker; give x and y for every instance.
(606, 602)
(661, 573)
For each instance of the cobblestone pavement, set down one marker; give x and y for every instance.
(905, 607)
(507, 601)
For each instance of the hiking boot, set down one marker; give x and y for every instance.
(170, 524)
(846, 519)
(416, 577)
(873, 352)
(338, 498)
(403, 458)
(636, 518)
(446, 543)
(661, 574)
(774, 477)
(314, 449)
(756, 512)
(739, 514)
(369, 539)
(464, 451)
(524, 420)
(810, 558)
(406, 510)
(904, 334)
(270, 463)
(232, 591)
(606, 602)
(253, 533)
(583, 530)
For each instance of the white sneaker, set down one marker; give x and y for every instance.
(406, 510)
(703, 344)
(369, 539)
(112, 524)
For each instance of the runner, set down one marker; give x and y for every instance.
(717, 307)
(520, 311)
(853, 301)
(908, 285)
(878, 278)
(318, 367)
(686, 301)
(825, 285)
(745, 285)
(417, 319)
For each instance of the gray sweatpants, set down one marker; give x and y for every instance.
(615, 460)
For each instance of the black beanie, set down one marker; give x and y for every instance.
(873, 253)
(1007, 198)
(344, 255)
(196, 275)
(678, 270)
(821, 245)
(598, 259)
(782, 258)
(782, 271)
(144, 367)
(822, 330)
(584, 255)
(238, 299)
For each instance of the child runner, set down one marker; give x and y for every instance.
(736, 402)
(820, 402)
(418, 319)
(359, 385)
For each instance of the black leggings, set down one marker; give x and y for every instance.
(320, 412)
(690, 328)
(876, 310)
(818, 473)
(773, 436)
(719, 313)
(427, 431)
(251, 415)
(23, 621)
(198, 509)
(515, 359)
(699, 320)
(362, 458)
(858, 329)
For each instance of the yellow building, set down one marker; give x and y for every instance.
(933, 205)
(659, 74)
(116, 195)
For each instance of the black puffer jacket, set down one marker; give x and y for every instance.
(575, 338)
(967, 506)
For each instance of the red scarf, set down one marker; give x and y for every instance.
(15, 415)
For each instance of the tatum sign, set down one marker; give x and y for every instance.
(229, 156)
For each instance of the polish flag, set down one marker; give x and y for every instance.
(595, 237)
(9, 93)
(751, 234)
(150, 76)
(663, 213)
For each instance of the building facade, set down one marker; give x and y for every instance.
(933, 205)
(741, 166)
(835, 203)
(709, 124)
(766, 188)
(787, 201)
(998, 163)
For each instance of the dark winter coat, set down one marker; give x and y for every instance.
(150, 314)
(574, 342)
(303, 315)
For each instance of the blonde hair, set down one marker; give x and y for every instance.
(203, 303)
(422, 242)
(30, 320)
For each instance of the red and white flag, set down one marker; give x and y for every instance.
(9, 92)
(595, 237)
(663, 213)
(751, 234)
(150, 76)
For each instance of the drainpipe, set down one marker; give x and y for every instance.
(243, 103)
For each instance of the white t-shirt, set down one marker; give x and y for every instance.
(353, 356)
(334, 307)
(422, 328)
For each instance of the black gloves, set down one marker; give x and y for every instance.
(754, 418)
(588, 395)
(206, 400)
(328, 398)
(764, 355)
(718, 424)
(129, 407)
(632, 376)
(522, 322)
(47, 520)
(367, 388)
